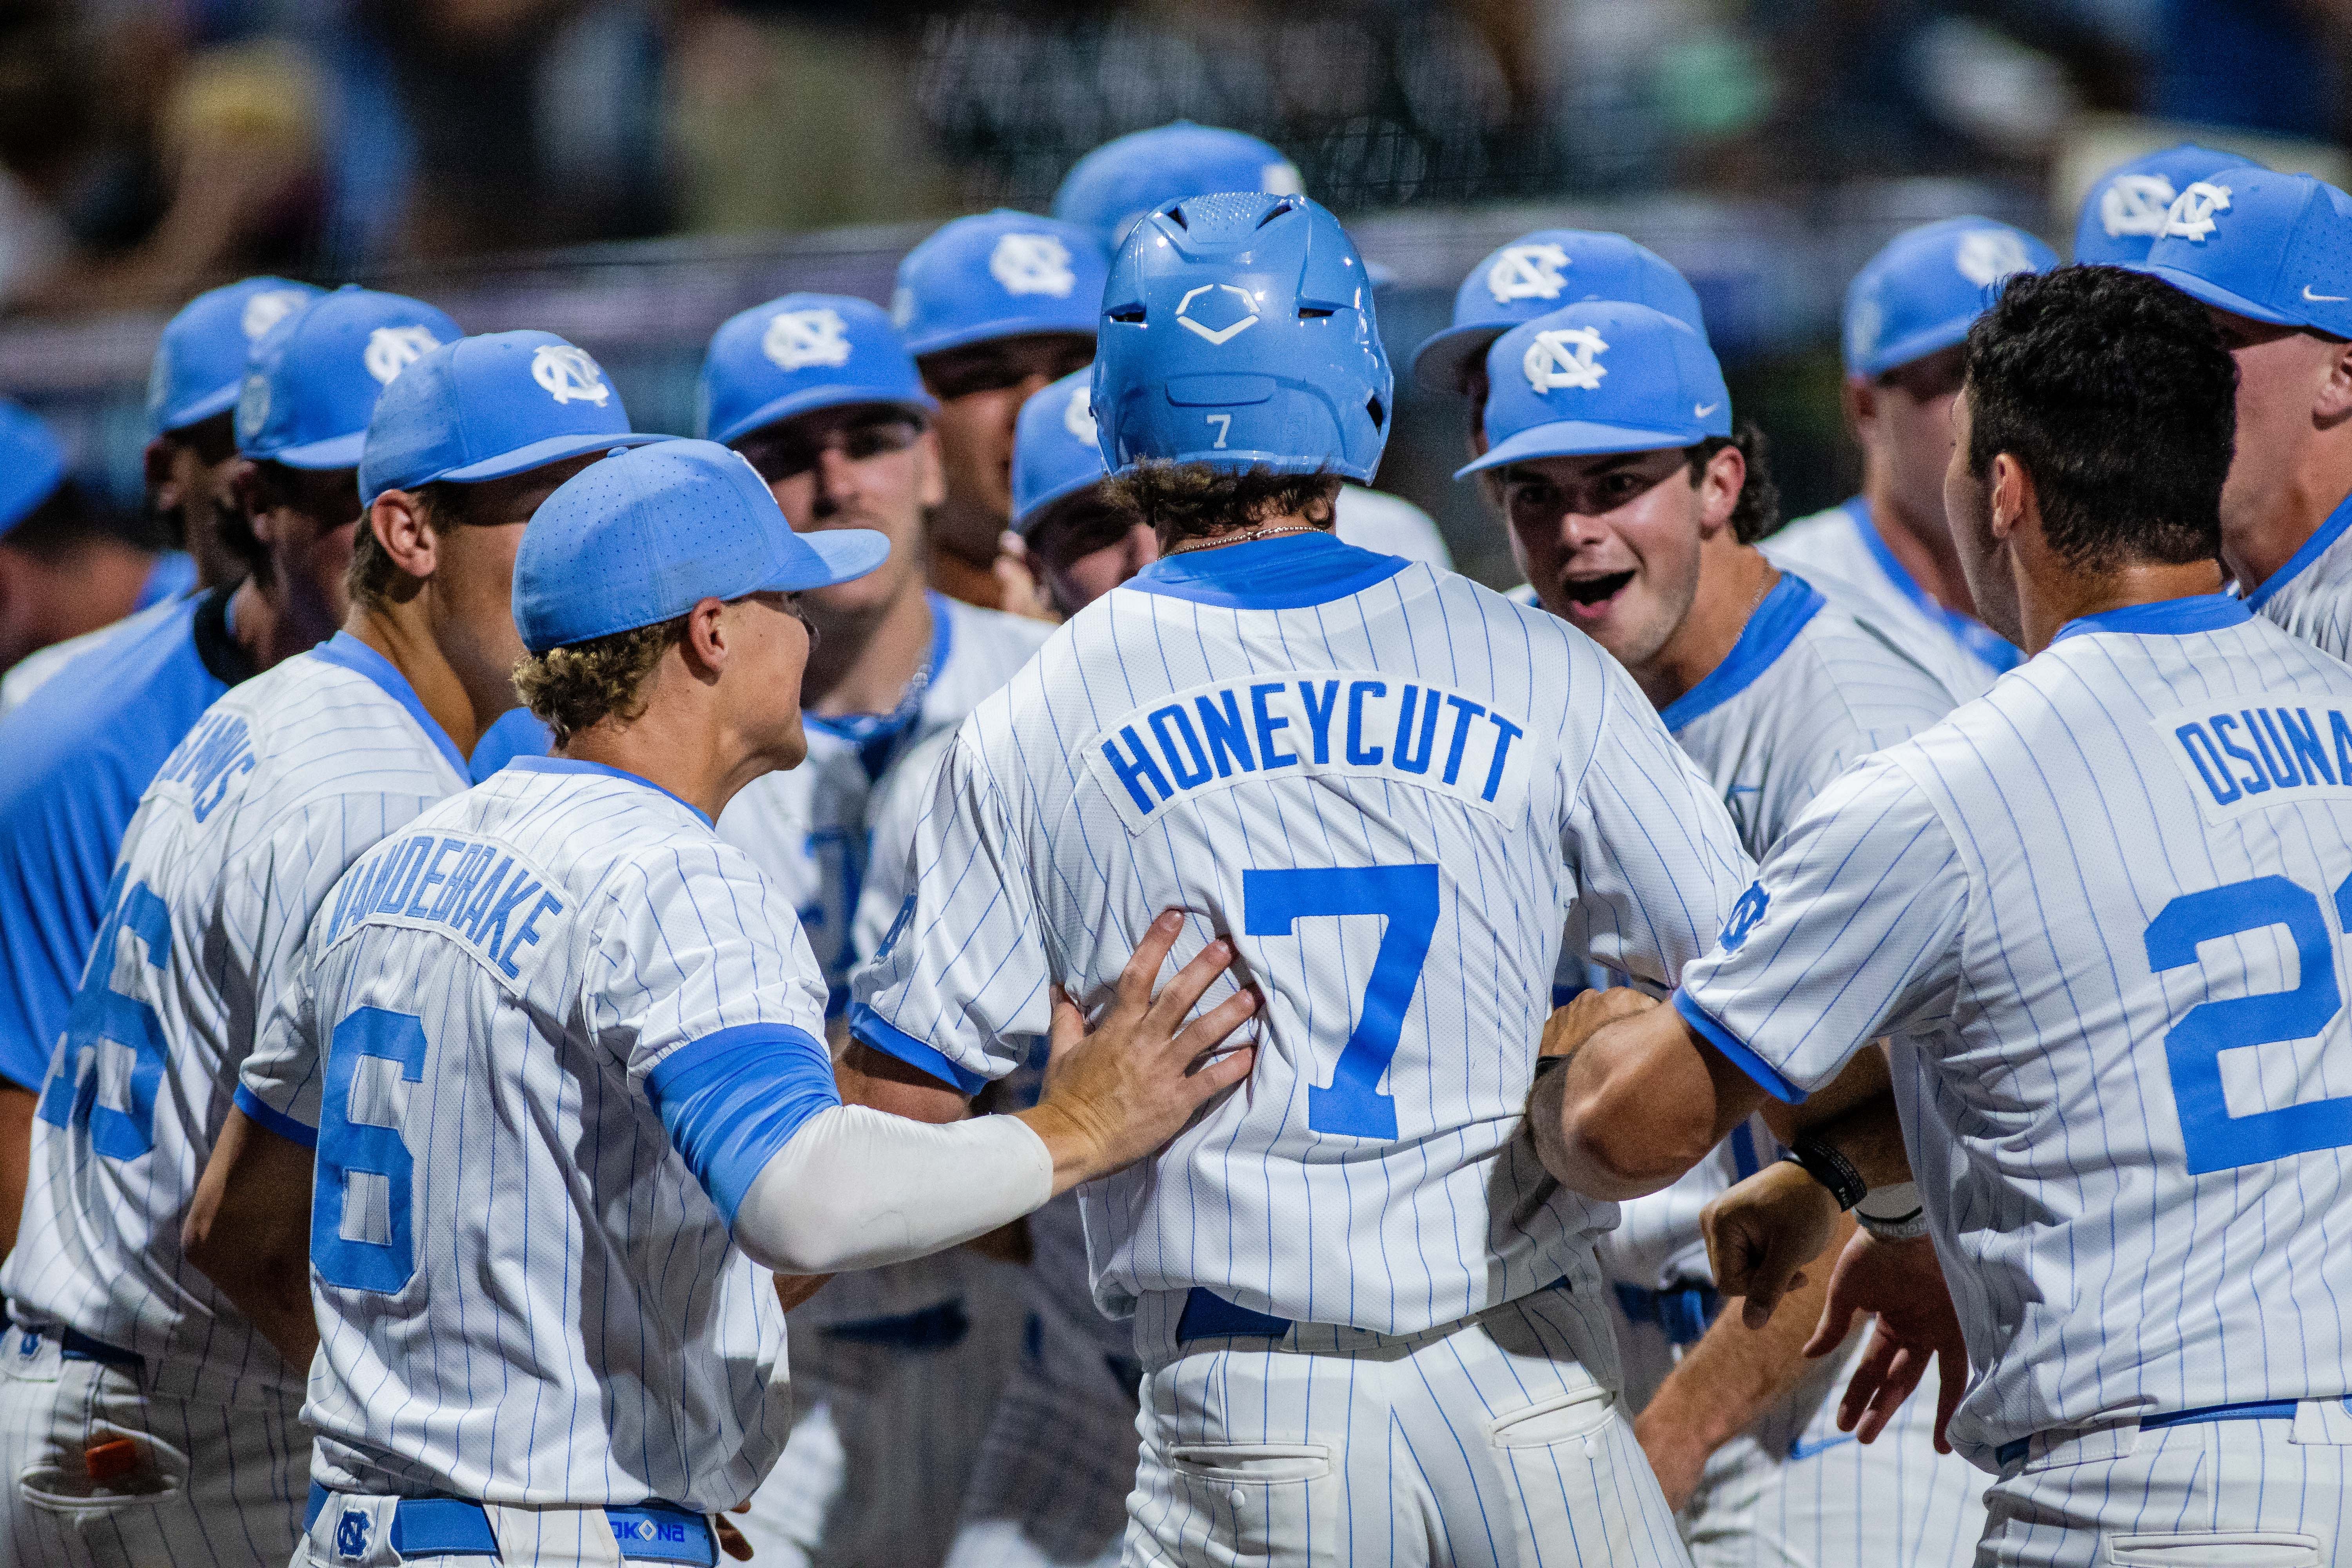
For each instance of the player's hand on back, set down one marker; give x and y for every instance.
(1762, 1232)
(1903, 1284)
(1116, 1093)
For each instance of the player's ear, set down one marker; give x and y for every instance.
(1860, 396)
(2333, 404)
(160, 482)
(930, 479)
(402, 528)
(707, 641)
(1719, 484)
(2009, 495)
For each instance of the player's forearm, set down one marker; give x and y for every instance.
(1637, 1105)
(248, 1230)
(859, 1188)
(16, 1106)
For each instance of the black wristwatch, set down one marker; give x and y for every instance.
(1831, 1169)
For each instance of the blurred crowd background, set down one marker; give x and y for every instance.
(628, 173)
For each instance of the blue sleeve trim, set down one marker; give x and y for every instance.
(1766, 1076)
(730, 1099)
(869, 1028)
(271, 1120)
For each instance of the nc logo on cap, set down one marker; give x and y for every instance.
(2135, 203)
(2192, 214)
(268, 308)
(1078, 414)
(796, 340)
(252, 406)
(1233, 324)
(351, 1534)
(1030, 264)
(390, 350)
(569, 375)
(1564, 357)
(1985, 256)
(1527, 272)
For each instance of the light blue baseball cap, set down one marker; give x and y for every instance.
(485, 407)
(1537, 274)
(998, 275)
(1112, 186)
(2275, 247)
(2124, 210)
(650, 531)
(798, 354)
(1599, 376)
(1923, 293)
(32, 463)
(1056, 450)
(314, 380)
(199, 363)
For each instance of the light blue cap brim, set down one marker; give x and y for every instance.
(967, 333)
(220, 400)
(1063, 491)
(792, 404)
(1580, 439)
(1918, 345)
(1439, 362)
(2207, 291)
(522, 459)
(335, 452)
(842, 553)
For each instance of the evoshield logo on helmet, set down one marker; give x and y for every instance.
(1985, 256)
(796, 340)
(2192, 214)
(1078, 414)
(569, 375)
(1565, 357)
(390, 350)
(2135, 203)
(1032, 264)
(1218, 306)
(1527, 272)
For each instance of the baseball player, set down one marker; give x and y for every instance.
(2094, 923)
(898, 1366)
(2125, 209)
(1081, 542)
(75, 759)
(546, 1336)
(1391, 790)
(1114, 185)
(140, 1390)
(1905, 313)
(992, 307)
(68, 566)
(192, 386)
(1635, 517)
(2267, 254)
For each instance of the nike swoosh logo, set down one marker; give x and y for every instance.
(1800, 1449)
(1701, 410)
(2324, 299)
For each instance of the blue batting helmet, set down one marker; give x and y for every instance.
(1112, 187)
(1237, 331)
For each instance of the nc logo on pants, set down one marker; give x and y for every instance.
(351, 1534)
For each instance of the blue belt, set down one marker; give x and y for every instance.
(1209, 1316)
(81, 1347)
(1681, 1315)
(2251, 1410)
(452, 1527)
(939, 1328)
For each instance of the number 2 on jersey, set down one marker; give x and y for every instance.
(1272, 901)
(2211, 1137)
(349, 1148)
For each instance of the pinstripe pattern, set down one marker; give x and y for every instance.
(1987, 893)
(2311, 595)
(578, 1328)
(1828, 549)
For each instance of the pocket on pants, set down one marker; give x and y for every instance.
(1563, 1418)
(1256, 1502)
(2215, 1549)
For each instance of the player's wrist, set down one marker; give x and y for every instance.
(1828, 1166)
(1076, 1147)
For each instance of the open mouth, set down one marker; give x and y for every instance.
(1595, 591)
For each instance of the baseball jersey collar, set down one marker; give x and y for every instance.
(2164, 617)
(1975, 637)
(2328, 534)
(1286, 573)
(1779, 617)
(581, 765)
(348, 652)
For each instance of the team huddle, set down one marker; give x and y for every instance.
(993, 962)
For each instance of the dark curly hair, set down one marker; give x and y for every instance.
(2116, 393)
(1187, 500)
(1756, 512)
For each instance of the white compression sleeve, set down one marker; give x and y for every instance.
(856, 1188)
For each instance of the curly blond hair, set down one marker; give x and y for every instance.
(581, 684)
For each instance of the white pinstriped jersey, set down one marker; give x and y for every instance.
(807, 828)
(1839, 552)
(2311, 595)
(2100, 912)
(606, 1022)
(1806, 691)
(1288, 738)
(280, 786)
